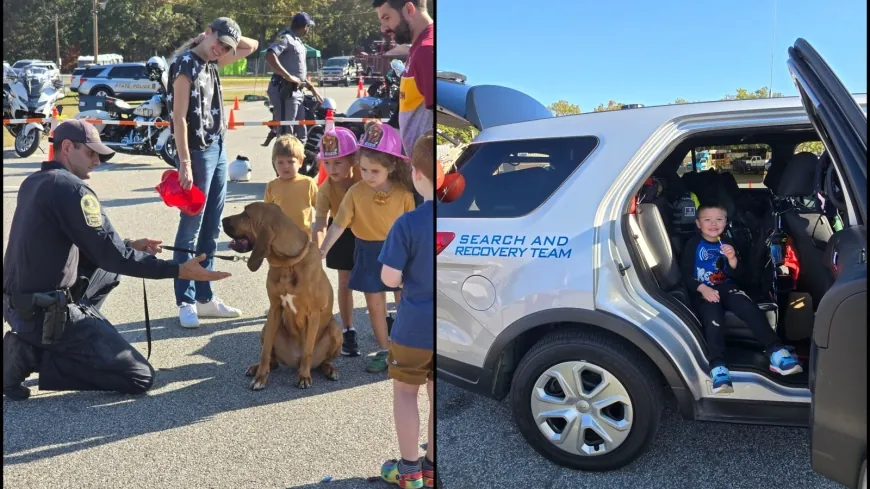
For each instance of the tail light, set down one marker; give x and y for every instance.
(442, 240)
(82, 80)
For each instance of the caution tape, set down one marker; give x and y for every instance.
(166, 123)
(307, 123)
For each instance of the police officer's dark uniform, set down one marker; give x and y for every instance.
(286, 97)
(63, 258)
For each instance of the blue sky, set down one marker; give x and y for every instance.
(646, 52)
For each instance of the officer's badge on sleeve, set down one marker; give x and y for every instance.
(91, 210)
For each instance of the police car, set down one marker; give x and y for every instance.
(126, 81)
(557, 279)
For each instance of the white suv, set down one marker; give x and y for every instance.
(558, 283)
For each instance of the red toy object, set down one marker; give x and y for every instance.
(454, 185)
(189, 202)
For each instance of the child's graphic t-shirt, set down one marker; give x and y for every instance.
(710, 263)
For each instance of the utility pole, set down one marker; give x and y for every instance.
(96, 46)
(56, 41)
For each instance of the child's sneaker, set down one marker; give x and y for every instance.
(428, 473)
(721, 381)
(378, 362)
(390, 473)
(783, 363)
(349, 347)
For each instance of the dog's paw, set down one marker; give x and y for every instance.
(303, 381)
(259, 382)
(330, 371)
(252, 370)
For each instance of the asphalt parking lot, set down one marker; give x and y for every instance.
(200, 426)
(480, 446)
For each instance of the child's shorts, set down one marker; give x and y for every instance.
(410, 365)
(340, 256)
(366, 274)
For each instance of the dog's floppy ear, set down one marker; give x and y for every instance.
(263, 236)
(262, 247)
(289, 241)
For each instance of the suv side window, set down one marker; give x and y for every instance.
(123, 72)
(93, 72)
(513, 178)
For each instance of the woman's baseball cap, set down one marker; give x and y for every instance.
(189, 202)
(336, 143)
(228, 31)
(383, 138)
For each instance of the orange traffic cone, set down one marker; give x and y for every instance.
(232, 122)
(750, 184)
(51, 134)
(359, 88)
(236, 106)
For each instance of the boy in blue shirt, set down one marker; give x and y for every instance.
(408, 262)
(709, 266)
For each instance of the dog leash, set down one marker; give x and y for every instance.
(228, 258)
(145, 295)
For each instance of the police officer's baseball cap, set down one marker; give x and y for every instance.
(228, 31)
(79, 131)
(301, 19)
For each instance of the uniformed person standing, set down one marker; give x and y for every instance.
(287, 58)
(63, 258)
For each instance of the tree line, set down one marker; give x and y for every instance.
(140, 29)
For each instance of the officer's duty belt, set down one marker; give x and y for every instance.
(52, 304)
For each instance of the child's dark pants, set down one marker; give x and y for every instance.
(712, 315)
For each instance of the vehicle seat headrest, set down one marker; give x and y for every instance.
(800, 177)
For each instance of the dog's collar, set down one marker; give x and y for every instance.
(293, 260)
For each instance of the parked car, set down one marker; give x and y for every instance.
(50, 68)
(126, 81)
(559, 290)
(21, 63)
(339, 69)
(75, 79)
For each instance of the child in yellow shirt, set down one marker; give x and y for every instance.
(294, 193)
(369, 209)
(338, 148)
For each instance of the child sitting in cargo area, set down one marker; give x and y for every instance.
(709, 265)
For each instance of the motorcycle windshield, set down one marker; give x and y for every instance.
(483, 106)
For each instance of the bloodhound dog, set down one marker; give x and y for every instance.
(300, 330)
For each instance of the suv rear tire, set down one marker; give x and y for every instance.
(102, 90)
(619, 368)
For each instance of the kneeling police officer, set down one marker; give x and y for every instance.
(63, 259)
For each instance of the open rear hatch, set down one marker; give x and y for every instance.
(482, 106)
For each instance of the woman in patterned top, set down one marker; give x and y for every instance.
(198, 121)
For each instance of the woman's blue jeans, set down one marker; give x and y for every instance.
(209, 169)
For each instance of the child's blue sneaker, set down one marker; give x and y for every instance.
(783, 363)
(721, 381)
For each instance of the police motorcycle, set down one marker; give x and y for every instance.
(382, 101)
(314, 110)
(30, 94)
(138, 140)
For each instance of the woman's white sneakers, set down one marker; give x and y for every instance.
(215, 308)
(189, 314)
